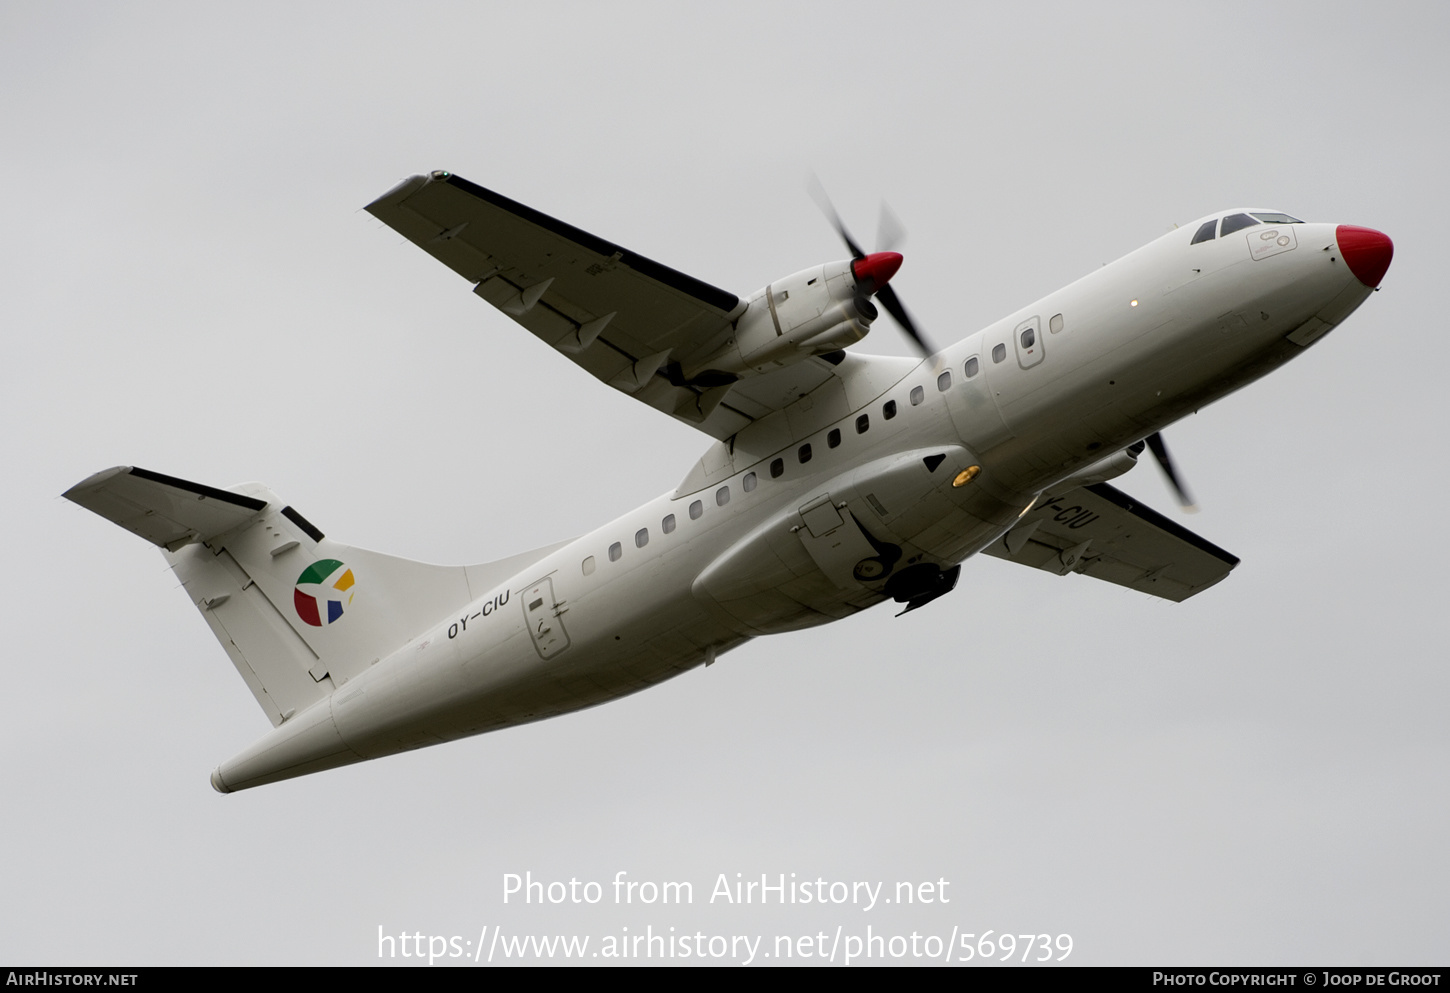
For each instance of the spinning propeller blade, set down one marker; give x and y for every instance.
(1160, 452)
(889, 232)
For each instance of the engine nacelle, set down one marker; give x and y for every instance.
(1102, 470)
(813, 312)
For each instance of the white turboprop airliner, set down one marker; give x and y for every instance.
(836, 481)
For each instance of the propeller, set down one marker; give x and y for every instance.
(890, 232)
(878, 267)
(1165, 462)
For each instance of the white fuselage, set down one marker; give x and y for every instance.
(1030, 400)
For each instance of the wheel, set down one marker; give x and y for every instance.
(870, 569)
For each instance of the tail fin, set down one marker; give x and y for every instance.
(297, 613)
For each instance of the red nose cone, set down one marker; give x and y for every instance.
(878, 268)
(1366, 251)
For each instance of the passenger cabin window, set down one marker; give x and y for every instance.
(641, 538)
(944, 381)
(615, 551)
(863, 423)
(972, 367)
(748, 483)
(804, 453)
(722, 496)
(668, 524)
(1204, 232)
(1235, 222)
(588, 565)
(917, 395)
(999, 352)
(777, 468)
(834, 438)
(1055, 325)
(888, 411)
(696, 509)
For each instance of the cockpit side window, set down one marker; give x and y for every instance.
(1205, 233)
(1236, 222)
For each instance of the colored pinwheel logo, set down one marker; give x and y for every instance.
(323, 590)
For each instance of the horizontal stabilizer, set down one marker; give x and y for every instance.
(164, 510)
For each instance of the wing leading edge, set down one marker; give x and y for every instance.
(1100, 531)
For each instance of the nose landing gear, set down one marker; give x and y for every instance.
(918, 585)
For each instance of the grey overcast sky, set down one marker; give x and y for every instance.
(1255, 777)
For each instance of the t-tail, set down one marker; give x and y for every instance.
(298, 613)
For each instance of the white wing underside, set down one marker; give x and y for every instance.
(623, 318)
(1100, 531)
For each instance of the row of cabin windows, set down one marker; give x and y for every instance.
(803, 453)
(999, 350)
(668, 524)
(833, 436)
(777, 467)
(917, 396)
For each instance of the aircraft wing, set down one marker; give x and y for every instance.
(620, 316)
(1102, 532)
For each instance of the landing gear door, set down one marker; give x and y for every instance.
(836, 543)
(545, 618)
(1027, 338)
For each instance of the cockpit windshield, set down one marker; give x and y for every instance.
(1205, 233)
(1235, 222)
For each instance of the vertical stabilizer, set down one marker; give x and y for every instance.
(298, 613)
